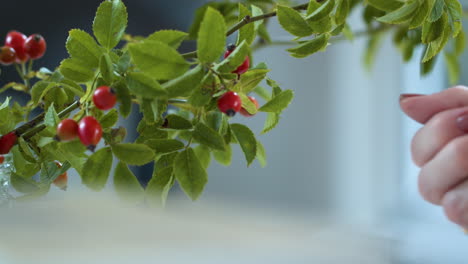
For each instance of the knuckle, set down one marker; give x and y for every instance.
(459, 152)
(456, 207)
(427, 191)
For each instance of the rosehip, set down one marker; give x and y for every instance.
(35, 46)
(2, 159)
(62, 180)
(7, 142)
(7, 55)
(67, 129)
(104, 98)
(16, 40)
(244, 66)
(244, 112)
(89, 132)
(230, 103)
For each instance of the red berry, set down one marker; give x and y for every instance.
(244, 112)
(62, 180)
(7, 55)
(2, 159)
(104, 98)
(230, 103)
(7, 142)
(244, 66)
(67, 129)
(90, 132)
(16, 40)
(35, 46)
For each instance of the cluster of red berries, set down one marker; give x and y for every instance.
(19, 49)
(88, 130)
(230, 103)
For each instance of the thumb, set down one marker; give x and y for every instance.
(421, 107)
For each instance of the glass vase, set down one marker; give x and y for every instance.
(6, 167)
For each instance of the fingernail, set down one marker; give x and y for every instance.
(462, 122)
(404, 96)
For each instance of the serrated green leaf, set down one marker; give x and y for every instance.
(428, 66)
(165, 146)
(323, 11)
(25, 150)
(110, 23)
(41, 88)
(234, 60)
(208, 137)
(76, 70)
(249, 80)
(124, 97)
(184, 84)
(203, 154)
(107, 68)
(310, 47)
(271, 122)
(373, 45)
(109, 119)
(247, 141)
(172, 38)
(278, 103)
(400, 15)
(51, 118)
(178, 123)
(248, 105)
(202, 95)
(437, 45)
(455, 12)
(211, 36)
(262, 92)
(437, 11)
(460, 43)
(422, 13)
(23, 185)
(257, 11)
(342, 11)
(158, 59)
(97, 168)
(159, 186)
(261, 154)
(223, 157)
(432, 31)
(385, 5)
(50, 171)
(247, 32)
(190, 173)
(143, 85)
(126, 184)
(133, 154)
(82, 46)
(293, 22)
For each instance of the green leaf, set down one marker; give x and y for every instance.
(23, 185)
(107, 68)
(263, 93)
(76, 70)
(323, 25)
(203, 154)
(157, 59)
(428, 66)
(460, 43)
(124, 97)
(455, 12)
(422, 13)
(178, 123)
(51, 118)
(249, 80)
(279, 102)
(97, 168)
(385, 5)
(109, 119)
(437, 11)
(400, 15)
(126, 184)
(323, 11)
(211, 36)
(110, 23)
(143, 85)
(437, 45)
(432, 31)
(261, 154)
(373, 45)
(248, 105)
(50, 171)
(223, 157)
(293, 22)
(202, 95)
(172, 38)
(80, 45)
(184, 84)
(190, 173)
(257, 11)
(159, 186)
(25, 150)
(247, 141)
(208, 137)
(271, 122)
(234, 60)
(164, 146)
(342, 11)
(453, 67)
(133, 154)
(247, 32)
(310, 47)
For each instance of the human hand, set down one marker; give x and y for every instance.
(440, 148)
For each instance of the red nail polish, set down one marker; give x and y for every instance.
(462, 122)
(404, 96)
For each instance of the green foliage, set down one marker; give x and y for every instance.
(150, 73)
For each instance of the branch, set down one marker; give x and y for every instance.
(247, 20)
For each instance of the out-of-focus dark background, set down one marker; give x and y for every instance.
(341, 150)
